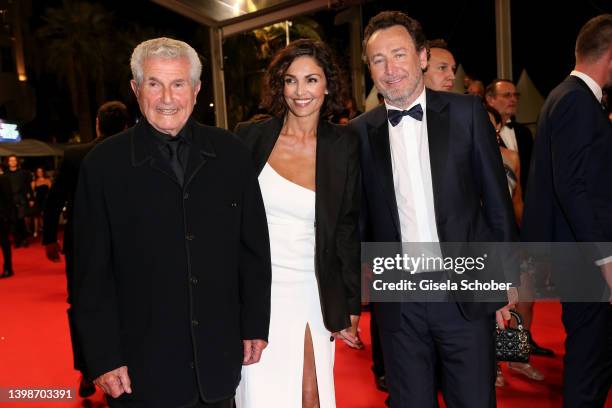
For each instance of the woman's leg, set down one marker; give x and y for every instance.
(310, 391)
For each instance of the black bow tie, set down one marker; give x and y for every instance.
(395, 116)
(509, 125)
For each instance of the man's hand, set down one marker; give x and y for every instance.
(53, 252)
(606, 271)
(502, 315)
(252, 350)
(350, 335)
(116, 382)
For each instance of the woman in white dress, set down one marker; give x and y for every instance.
(309, 176)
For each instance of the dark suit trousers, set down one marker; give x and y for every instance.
(435, 335)
(587, 374)
(77, 353)
(228, 403)
(378, 363)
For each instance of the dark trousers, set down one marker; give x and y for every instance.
(6, 244)
(117, 403)
(77, 353)
(228, 403)
(587, 374)
(435, 335)
(378, 363)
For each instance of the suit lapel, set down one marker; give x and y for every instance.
(330, 176)
(200, 152)
(264, 141)
(438, 133)
(378, 135)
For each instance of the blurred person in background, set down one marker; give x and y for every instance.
(441, 67)
(112, 118)
(6, 217)
(41, 186)
(23, 199)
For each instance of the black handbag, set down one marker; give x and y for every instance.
(513, 344)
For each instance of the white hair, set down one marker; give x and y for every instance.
(167, 48)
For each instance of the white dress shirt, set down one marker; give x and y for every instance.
(412, 176)
(509, 137)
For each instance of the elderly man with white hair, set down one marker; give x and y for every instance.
(172, 285)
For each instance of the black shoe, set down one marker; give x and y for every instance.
(541, 351)
(86, 388)
(381, 383)
(8, 272)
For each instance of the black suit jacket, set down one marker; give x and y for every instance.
(337, 246)
(471, 200)
(170, 279)
(569, 196)
(62, 194)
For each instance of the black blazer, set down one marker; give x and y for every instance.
(471, 200)
(62, 193)
(170, 279)
(569, 197)
(337, 246)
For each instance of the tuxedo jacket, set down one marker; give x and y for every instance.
(471, 200)
(569, 198)
(337, 247)
(170, 278)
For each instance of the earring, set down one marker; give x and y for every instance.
(326, 92)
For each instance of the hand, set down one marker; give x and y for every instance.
(53, 252)
(350, 335)
(502, 315)
(253, 350)
(116, 382)
(606, 271)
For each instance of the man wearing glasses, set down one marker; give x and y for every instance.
(502, 96)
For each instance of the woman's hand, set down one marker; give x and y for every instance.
(350, 335)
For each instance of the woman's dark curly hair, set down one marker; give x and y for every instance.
(274, 82)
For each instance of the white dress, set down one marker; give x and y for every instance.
(276, 381)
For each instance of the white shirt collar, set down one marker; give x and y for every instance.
(421, 99)
(593, 86)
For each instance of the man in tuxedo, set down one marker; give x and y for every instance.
(502, 96)
(569, 199)
(172, 280)
(112, 118)
(431, 172)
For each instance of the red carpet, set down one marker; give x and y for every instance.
(35, 345)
